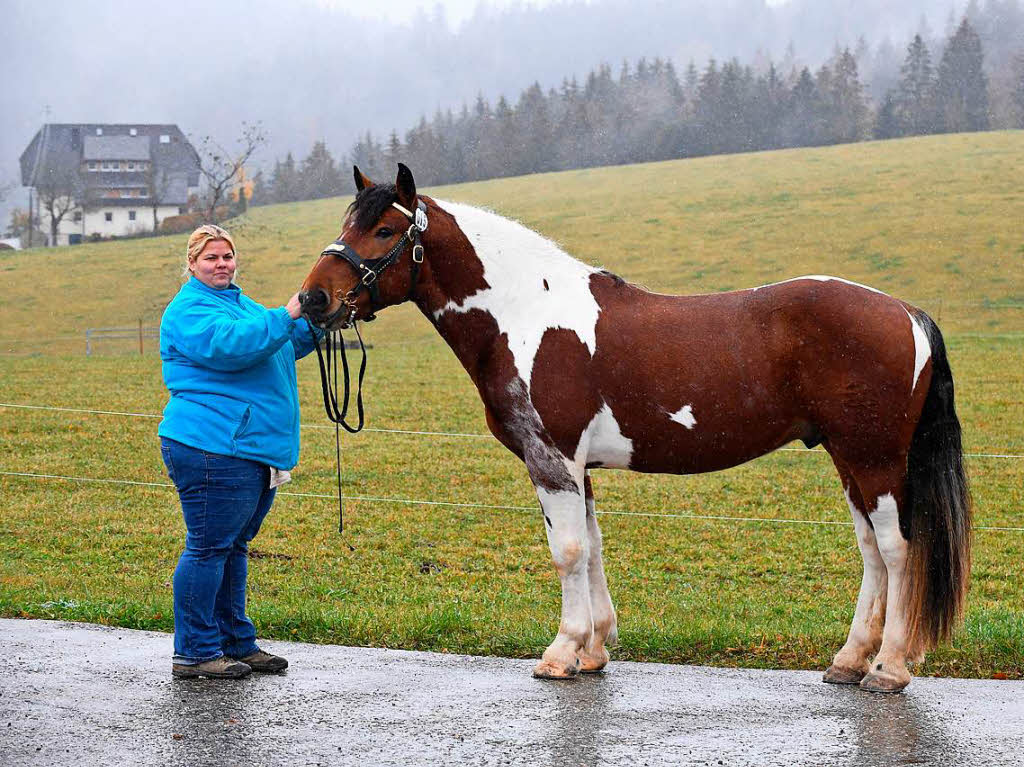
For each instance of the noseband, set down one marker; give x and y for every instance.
(370, 269)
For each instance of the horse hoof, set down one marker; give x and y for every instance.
(548, 670)
(838, 675)
(883, 681)
(593, 663)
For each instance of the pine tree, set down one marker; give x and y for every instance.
(1018, 90)
(393, 154)
(319, 175)
(962, 88)
(887, 123)
(284, 183)
(914, 103)
(847, 112)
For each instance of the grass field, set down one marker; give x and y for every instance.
(933, 220)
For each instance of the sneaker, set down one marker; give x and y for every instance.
(264, 661)
(218, 668)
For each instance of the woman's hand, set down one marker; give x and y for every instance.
(294, 307)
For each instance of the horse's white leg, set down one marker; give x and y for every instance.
(565, 520)
(888, 672)
(851, 663)
(594, 656)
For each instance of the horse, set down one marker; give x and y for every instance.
(580, 370)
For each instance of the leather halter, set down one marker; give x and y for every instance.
(369, 269)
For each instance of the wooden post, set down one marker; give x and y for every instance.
(140, 336)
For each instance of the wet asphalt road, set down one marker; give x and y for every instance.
(83, 695)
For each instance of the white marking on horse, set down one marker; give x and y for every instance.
(602, 442)
(865, 629)
(893, 548)
(684, 416)
(922, 349)
(513, 257)
(822, 278)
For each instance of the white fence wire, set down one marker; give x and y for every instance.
(454, 504)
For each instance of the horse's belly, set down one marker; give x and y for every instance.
(690, 440)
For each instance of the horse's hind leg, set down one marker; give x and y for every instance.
(852, 662)
(889, 672)
(884, 492)
(565, 521)
(594, 656)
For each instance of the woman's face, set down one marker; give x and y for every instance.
(215, 264)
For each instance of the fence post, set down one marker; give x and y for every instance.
(88, 342)
(140, 336)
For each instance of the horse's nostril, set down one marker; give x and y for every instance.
(313, 299)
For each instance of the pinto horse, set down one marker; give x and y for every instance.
(580, 370)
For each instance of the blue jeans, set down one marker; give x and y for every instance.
(224, 501)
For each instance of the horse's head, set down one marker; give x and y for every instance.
(375, 260)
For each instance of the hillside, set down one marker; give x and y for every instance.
(934, 220)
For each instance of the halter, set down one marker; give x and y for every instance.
(369, 269)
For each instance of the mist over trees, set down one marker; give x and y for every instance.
(309, 72)
(647, 111)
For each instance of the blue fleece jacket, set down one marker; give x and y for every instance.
(229, 365)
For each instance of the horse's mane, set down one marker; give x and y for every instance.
(370, 204)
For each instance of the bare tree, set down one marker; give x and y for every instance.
(220, 168)
(58, 191)
(158, 182)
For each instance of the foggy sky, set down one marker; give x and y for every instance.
(312, 69)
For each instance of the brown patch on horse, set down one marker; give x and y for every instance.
(561, 390)
(511, 416)
(686, 347)
(452, 272)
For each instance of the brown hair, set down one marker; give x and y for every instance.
(199, 239)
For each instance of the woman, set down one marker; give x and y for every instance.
(228, 436)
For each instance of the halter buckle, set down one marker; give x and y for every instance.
(369, 277)
(417, 254)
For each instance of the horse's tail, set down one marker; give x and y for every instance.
(939, 556)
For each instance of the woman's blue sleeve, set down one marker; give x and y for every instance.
(302, 341)
(221, 342)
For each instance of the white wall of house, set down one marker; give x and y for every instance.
(94, 221)
(121, 222)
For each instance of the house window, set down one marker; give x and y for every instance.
(133, 132)
(93, 166)
(165, 138)
(181, 211)
(131, 215)
(99, 131)
(78, 216)
(143, 193)
(131, 166)
(108, 216)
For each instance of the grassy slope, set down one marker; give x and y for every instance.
(934, 220)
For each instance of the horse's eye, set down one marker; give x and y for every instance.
(384, 232)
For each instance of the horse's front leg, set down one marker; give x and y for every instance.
(594, 656)
(565, 520)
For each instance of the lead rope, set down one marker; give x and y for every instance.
(334, 343)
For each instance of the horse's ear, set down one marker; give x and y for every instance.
(406, 187)
(361, 181)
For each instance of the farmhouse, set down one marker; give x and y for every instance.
(107, 180)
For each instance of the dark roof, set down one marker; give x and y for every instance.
(60, 148)
(116, 148)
